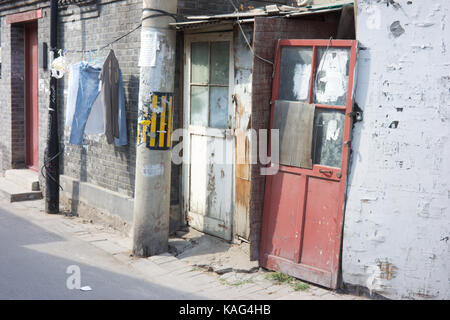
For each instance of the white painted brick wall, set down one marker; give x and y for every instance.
(397, 219)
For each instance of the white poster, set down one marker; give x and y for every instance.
(149, 46)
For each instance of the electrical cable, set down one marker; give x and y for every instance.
(45, 165)
(249, 45)
(245, 37)
(161, 13)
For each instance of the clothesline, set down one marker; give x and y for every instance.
(106, 45)
(161, 13)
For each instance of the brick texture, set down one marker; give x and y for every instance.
(96, 161)
(17, 96)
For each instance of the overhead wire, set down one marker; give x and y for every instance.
(160, 13)
(245, 37)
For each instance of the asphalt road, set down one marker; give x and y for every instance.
(34, 261)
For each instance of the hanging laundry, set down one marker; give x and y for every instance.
(95, 124)
(87, 92)
(109, 77)
(85, 108)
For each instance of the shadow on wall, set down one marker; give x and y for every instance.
(361, 89)
(131, 106)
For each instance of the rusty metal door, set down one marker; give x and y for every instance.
(303, 205)
(209, 117)
(31, 96)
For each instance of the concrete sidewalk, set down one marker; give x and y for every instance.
(169, 271)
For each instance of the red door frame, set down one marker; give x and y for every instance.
(29, 20)
(31, 96)
(328, 279)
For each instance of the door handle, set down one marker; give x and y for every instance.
(326, 172)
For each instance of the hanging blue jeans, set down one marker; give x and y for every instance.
(88, 89)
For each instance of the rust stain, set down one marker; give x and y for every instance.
(243, 193)
(242, 155)
(388, 270)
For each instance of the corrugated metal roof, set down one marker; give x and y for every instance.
(269, 10)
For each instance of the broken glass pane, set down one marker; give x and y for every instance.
(199, 106)
(328, 136)
(200, 62)
(220, 52)
(332, 76)
(295, 73)
(218, 111)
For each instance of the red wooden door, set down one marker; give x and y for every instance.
(303, 207)
(31, 96)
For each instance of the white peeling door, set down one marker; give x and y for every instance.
(209, 118)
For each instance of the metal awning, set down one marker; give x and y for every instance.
(269, 10)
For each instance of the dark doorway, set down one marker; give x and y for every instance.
(31, 97)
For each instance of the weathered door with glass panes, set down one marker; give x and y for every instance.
(209, 118)
(304, 201)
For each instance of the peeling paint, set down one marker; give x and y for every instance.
(242, 96)
(396, 240)
(396, 29)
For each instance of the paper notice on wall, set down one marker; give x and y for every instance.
(152, 170)
(149, 46)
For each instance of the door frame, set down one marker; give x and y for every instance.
(21, 19)
(188, 39)
(328, 279)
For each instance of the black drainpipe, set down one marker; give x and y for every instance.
(51, 158)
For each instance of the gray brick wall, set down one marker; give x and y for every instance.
(17, 96)
(44, 89)
(5, 96)
(96, 161)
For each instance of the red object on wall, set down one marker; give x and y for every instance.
(24, 16)
(303, 208)
(31, 99)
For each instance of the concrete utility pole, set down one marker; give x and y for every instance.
(153, 154)
(51, 160)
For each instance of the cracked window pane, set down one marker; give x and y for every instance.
(328, 135)
(332, 76)
(295, 73)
